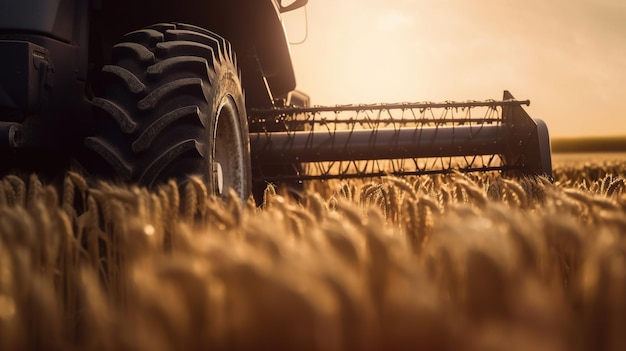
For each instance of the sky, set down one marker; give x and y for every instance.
(568, 57)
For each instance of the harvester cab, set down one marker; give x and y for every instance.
(145, 91)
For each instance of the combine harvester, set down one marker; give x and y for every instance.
(166, 100)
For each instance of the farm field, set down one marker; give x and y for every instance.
(449, 262)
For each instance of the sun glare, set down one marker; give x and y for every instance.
(391, 21)
(365, 51)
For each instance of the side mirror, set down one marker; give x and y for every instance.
(293, 5)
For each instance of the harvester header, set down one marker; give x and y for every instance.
(354, 141)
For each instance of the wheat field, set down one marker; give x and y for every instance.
(446, 262)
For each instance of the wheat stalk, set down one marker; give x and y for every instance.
(189, 202)
(34, 189)
(402, 184)
(17, 190)
(515, 192)
(316, 205)
(68, 195)
(268, 195)
(346, 191)
(472, 194)
(351, 214)
(616, 187)
(495, 190)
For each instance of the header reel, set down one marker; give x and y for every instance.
(359, 141)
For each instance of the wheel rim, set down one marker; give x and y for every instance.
(228, 151)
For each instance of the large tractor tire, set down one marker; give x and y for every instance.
(170, 106)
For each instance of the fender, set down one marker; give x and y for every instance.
(253, 27)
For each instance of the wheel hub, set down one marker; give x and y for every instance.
(228, 161)
(218, 177)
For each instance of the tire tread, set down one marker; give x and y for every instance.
(152, 120)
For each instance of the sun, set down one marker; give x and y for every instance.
(393, 21)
